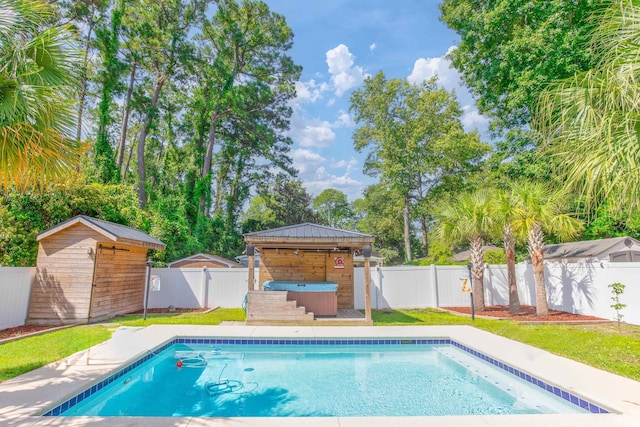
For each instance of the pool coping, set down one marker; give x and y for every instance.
(23, 398)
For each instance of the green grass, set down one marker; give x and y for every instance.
(214, 317)
(598, 345)
(18, 357)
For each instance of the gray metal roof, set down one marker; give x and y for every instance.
(585, 249)
(112, 230)
(308, 230)
(465, 254)
(207, 257)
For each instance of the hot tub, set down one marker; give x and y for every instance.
(320, 298)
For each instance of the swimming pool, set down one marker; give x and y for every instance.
(228, 377)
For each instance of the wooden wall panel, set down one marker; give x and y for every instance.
(119, 281)
(342, 276)
(62, 288)
(319, 266)
(284, 264)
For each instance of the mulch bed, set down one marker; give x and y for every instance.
(527, 313)
(176, 310)
(21, 330)
(30, 329)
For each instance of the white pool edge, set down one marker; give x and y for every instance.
(23, 398)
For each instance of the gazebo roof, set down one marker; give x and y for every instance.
(308, 235)
(112, 231)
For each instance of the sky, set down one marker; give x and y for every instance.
(339, 43)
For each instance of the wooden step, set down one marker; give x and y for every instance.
(268, 303)
(279, 316)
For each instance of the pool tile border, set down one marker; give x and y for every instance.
(558, 391)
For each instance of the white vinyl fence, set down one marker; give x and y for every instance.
(576, 288)
(15, 290)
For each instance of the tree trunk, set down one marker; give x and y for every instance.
(407, 237)
(510, 252)
(83, 78)
(208, 158)
(142, 192)
(535, 237)
(425, 237)
(125, 120)
(477, 271)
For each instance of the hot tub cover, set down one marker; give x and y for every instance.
(299, 286)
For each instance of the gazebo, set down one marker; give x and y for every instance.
(306, 257)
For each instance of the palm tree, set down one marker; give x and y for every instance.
(506, 209)
(591, 121)
(469, 217)
(540, 209)
(38, 77)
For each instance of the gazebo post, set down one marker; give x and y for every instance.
(366, 253)
(251, 250)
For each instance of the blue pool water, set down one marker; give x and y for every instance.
(311, 380)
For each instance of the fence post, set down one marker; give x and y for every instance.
(434, 282)
(205, 288)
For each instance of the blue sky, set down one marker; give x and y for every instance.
(341, 42)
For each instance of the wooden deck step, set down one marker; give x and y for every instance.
(274, 306)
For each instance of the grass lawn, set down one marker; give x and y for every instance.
(598, 345)
(24, 355)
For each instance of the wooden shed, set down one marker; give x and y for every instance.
(204, 260)
(305, 254)
(88, 270)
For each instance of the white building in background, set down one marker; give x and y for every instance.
(616, 249)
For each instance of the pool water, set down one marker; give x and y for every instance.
(297, 380)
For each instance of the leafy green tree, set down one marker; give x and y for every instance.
(379, 213)
(333, 208)
(418, 145)
(591, 120)
(108, 40)
(289, 202)
(540, 209)
(161, 32)
(470, 217)
(246, 80)
(510, 50)
(38, 78)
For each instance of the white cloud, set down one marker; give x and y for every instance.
(322, 180)
(344, 120)
(472, 119)
(309, 91)
(311, 132)
(306, 161)
(372, 47)
(449, 78)
(343, 163)
(344, 74)
(425, 68)
(315, 177)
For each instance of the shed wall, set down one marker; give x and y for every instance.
(119, 280)
(61, 292)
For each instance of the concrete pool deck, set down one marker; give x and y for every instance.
(23, 398)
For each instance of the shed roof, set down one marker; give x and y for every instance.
(208, 257)
(465, 254)
(587, 248)
(112, 231)
(309, 233)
